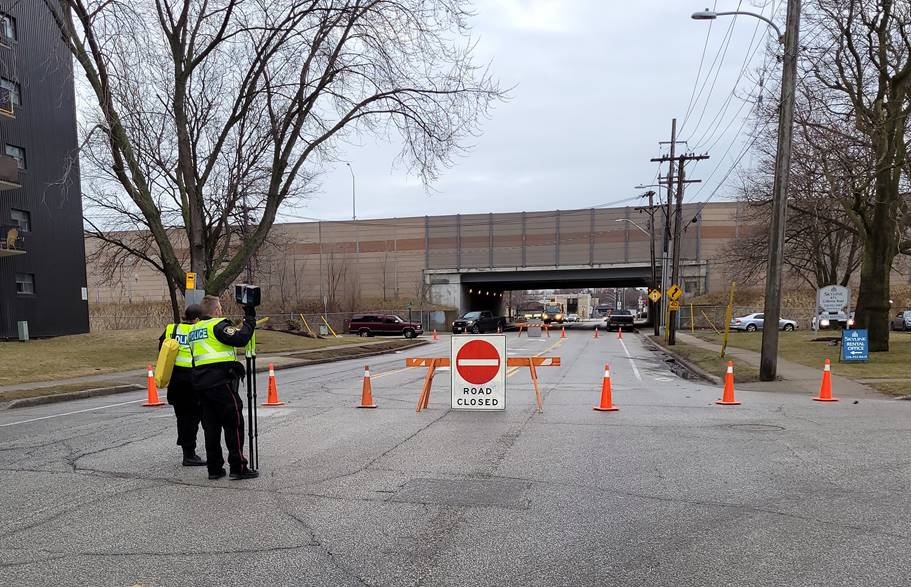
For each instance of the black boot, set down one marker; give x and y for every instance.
(191, 459)
(245, 473)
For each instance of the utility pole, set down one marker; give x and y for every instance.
(768, 362)
(665, 249)
(678, 231)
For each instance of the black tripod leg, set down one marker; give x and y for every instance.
(250, 376)
(254, 447)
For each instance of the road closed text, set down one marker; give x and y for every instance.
(478, 397)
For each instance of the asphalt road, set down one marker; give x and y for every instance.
(670, 490)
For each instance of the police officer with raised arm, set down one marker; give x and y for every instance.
(216, 378)
(180, 389)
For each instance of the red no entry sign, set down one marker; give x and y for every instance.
(478, 362)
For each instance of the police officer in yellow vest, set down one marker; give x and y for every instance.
(216, 377)
(180, 389)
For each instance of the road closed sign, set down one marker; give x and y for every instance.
(479, 372)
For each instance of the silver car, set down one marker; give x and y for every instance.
(753, 322)
(902, 320)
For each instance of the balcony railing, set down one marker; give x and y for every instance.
(11, 240)
(9, 173)
(6, 103)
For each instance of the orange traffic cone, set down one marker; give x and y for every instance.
(435, 337)
(596, 332)
(825, 390)
(563, 332)
(620, 332)
(272, 398)
(367, 392)
(606, 405)
(153, 401)
(727, 396)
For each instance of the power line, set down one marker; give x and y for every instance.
(708, 34)
(721, 53)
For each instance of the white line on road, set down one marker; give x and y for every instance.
(631, 361)
(478, 362)
(71, 413)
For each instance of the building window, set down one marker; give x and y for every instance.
(23, 218)
(15, 92)
(17, 153)
(7, 27)
(25, 284)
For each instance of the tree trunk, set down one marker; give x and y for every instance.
(873, 308)
(175, 306)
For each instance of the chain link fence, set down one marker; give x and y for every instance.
(706, 317)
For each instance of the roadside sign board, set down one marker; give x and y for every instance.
(674, 292)
(534, 331)
(855, 345)
(191, 280)
(654, 295)
(674, 306)
(478, 372)
(833, 299)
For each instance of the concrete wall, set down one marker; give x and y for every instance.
(386, 258)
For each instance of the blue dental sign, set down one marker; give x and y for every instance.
(854, 345)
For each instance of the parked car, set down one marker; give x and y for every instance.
(902, 320)
(754, 322)
(478, 322)
(572, 318)
(618, 319)
(382, 325)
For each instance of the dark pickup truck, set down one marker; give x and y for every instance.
(618, 319)
(382, 324)
(478, 323)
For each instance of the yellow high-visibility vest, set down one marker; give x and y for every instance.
(184, 358)
(205, 348)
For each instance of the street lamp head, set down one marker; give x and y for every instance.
(705, 15)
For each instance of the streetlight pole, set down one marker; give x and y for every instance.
(357, 240)
(651, 241)
(768, 362)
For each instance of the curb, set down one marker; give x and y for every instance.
(698, 372)
(70, 395)
(101, 391)
(307, 363)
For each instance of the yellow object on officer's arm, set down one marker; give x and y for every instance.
(164, 366)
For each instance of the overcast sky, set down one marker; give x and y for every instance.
(597, 83)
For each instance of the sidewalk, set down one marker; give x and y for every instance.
(793, 377)
(110, 383)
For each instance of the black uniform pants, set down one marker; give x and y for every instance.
(222, 410)
(188, 412)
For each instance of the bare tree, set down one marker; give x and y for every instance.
(208, 115)
(859, 64)
(336, 277)
(822, 246)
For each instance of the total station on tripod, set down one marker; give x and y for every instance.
(247, 295)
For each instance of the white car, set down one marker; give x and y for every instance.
(572, 318)
(754, 322)
(838, 320)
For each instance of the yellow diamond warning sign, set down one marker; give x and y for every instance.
(654, 295)
(674, 292)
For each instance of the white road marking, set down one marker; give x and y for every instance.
(631, 361)
(71, 413)
(478, 362)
